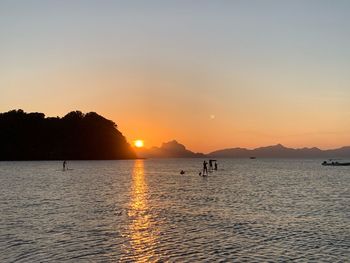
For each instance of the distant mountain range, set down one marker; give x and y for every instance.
(280, 151)
(171, 149)
(174, 149)
(90, 136)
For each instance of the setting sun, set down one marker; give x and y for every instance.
(138, 143)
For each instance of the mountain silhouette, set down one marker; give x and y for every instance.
(280, 151)
(79, 136)
(171, 149)
(31, 136)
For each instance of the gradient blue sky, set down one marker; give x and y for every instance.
(210, 74)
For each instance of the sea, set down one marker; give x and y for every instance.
(262, 210)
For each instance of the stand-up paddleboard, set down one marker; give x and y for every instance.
(64, 170)
(202, 174)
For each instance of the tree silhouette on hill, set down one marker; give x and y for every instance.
(31, 136)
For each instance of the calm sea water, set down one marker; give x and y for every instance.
(145, 211)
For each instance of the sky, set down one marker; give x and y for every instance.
(210, 74)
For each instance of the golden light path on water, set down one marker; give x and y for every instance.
(142, 230)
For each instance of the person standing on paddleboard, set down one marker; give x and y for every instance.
(205, 168)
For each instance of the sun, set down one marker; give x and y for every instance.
(138, 143)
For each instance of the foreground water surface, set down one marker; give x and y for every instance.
(145, 211)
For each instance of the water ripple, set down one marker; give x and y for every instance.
(145, 211)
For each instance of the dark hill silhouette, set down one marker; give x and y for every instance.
(171, 149)
(279, 151)
(31, 136)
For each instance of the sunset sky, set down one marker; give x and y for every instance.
(210, 74)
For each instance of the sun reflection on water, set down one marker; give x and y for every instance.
(142, 227)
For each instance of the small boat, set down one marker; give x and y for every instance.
(332, 163)
(252, 157)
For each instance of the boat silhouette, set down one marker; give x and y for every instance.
(332, 162)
